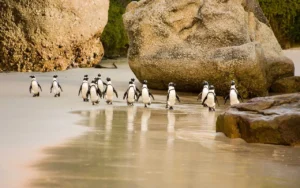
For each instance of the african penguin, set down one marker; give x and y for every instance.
(211, 99)
(135, 88)
(145, 94)
(171, 97)
(234, 95)
(130, 94)
(34, 87)
(84, 89)
(55, 87)
(109, 91)
(100, 84)
(94, 92)
(204, 92)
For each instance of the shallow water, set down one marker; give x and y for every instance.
(154, 147)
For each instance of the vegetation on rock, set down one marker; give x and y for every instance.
(284, 17)
(114, 37)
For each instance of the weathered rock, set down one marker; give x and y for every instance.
(287, 85)
(188, 41)
(46, 35)
(270, 120)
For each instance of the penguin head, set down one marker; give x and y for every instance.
(145, 82)
(232, 82)
(55, 76)
(132, 79)
(130, 82)
(32, 77)
(99, 75)
(171, 84)
(85, 76)
(211, 87)
(205, 83)
(108, 79)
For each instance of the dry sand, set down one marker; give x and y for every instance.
(29, 124)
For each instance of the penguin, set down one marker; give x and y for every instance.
(204, 92)
(145, 94)
(109, 91)
(34, 87)
(130, 94)
(100, 84)
(234, 95)
(135, 88)
(171, 97)
(55, 87)
(94, 92)
(84, 89)
(211, 99)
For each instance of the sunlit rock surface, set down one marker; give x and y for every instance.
(270, 120)
(44, 35)
(188, 41)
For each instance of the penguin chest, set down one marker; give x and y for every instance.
(172, 98)
(130, 95)
(84, 90)
(204, 93)
(145, 96)
(100, 85)
(210, 101)
(94, 95)
(109, 92)
(55, 88)
(233, 98)
(34, 87)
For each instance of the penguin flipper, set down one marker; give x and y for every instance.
(79, 90)
(104, 83)
(226, 98)
(177, 97)
(60, 87)
(40, 86)
(199, 96)
(99, 93)
(51, 88)
(137, 90)
(138, 97)
(30, 87)
(203, 102)
(151, 95)
(115, 92)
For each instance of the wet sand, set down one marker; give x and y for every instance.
(43, 144)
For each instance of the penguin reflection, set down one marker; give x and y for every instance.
(145, 119)
(131, 112)
(171, 127)
(109, 114)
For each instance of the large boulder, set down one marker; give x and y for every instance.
(269, 120)
(287, 85)
(46, 35)
(188, 41)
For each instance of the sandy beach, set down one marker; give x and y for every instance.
(30, 125)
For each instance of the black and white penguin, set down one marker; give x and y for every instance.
(234, 95)
(55, 87)
(204, 91)
(109, 91)
(145, 94)
(84, 89)
(94, 92)
(100, 84)
(211, 99)
(34, 87)
(135, 88)
(130, 94)
(172, 96)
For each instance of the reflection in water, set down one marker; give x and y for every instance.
(171, 149)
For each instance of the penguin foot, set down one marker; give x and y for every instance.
(97, 102)
(145, 105)
(38, 94)
(171, 108)
(55, 95)
(205, 105)
(58, 95)
(149, 104)
(167, 106)
(93, 103)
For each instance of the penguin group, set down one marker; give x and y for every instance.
(35, 88)
(98, 89)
